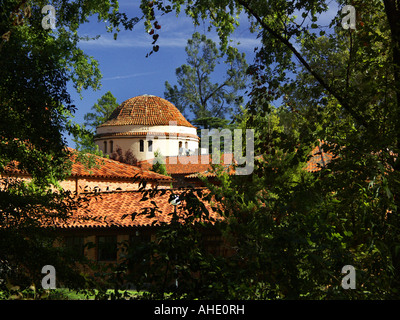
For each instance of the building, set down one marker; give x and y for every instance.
(141, 125)
(145, 124)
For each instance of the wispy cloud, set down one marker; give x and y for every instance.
(174, 33)
(127, 76)
(123, 41)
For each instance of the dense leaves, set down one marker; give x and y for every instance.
(35, 109)
(294, 230)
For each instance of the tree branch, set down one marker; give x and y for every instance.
(321, 81)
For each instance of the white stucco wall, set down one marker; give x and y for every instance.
(168, 145)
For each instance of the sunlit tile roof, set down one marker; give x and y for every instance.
(107, 168)
(104, 168)
(319, 159)
(146, 110)
(115, 209)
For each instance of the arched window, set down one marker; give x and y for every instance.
(186, 145)
(180, 149)
(141, 146)
(150, 145)
(105, 146)
(111, 146)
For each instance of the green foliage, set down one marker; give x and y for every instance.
(289, 231)
(294, 230)
(102, 110)
(177, 264)
(159, 164)
(35, 110)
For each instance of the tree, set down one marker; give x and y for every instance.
(178, 263)
(102, 110)
(209, 101)
(159, 164)
(35, 107)
(293, 231)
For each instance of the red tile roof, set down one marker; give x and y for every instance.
(318, 160)
(146, 110)
(107, 168)
(210, 173)
(115, 209)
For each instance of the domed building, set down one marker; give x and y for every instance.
(145, 124)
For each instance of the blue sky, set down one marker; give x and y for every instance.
(126, 70)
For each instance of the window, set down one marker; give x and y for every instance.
(180, 150)
(111, 146)
(150, 146)
(141, 147)
(186, 145)
(105, 146)
(107, 248)
(75, 244)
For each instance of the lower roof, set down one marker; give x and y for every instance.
(129, 209)
(104, 168)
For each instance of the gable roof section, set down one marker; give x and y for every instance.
(192, 167)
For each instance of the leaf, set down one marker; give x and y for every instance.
(154, 203)
(6, 36)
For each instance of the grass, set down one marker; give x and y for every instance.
(67, 294)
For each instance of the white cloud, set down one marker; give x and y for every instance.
(174, 33)
(133, 75)
(134, 41)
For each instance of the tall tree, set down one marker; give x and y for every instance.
(84, 139)
(292, 230)
(210, 102)
(36, 64)
(101, 110)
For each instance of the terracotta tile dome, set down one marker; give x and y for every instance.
(146, 110)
